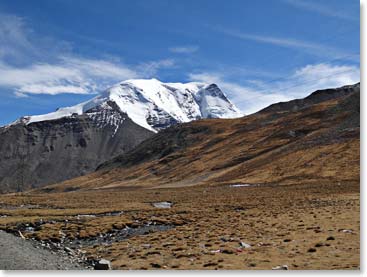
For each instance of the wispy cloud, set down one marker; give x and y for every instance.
(306, 46)
(254, 95)
(151, 68)
(19, 44)
(74, 75)
(188, 49)
(68, 75)
(322, 9)
(39, 65)
(245, 97)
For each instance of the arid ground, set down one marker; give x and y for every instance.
(312, 226)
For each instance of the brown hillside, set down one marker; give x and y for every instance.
(313, 139)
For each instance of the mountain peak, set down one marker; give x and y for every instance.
(153, 104)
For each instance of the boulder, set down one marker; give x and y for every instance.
(102, 265)
(280, 267)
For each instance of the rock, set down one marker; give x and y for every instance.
(311, 250)
(280, 267)
(330, 238)
(155, 265)
(68, 250)
(29, 229)
(244, 245)
(227, 251)
(102, 265)
(163, 205)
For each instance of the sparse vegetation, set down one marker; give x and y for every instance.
(209, 224)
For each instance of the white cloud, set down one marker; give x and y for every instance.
(73, 75)
(184, 49)
(306, 46)
(21, 45)
(321, 9)
(151, 68)
(68, 75)
(257, 94)
(246, 98)
(328, 75)
(37, 65)
(13, 38)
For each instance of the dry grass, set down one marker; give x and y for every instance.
(280, 222)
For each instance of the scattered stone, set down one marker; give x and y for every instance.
(348, 231)
(280, 267)
(292, 133)
(244, 245)
(163, 205)
(311, 250)
(102, 265)
(29, 229)
(155, 265)
(287, 240)
(320, 244)
(330, 238)
(264, 244)
(68, 250)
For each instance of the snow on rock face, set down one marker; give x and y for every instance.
(214, 104)
(152, 104)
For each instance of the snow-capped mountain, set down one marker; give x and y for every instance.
(151, 104)
(72, 141)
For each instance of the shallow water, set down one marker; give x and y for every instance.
(240, 185)
(118, 235)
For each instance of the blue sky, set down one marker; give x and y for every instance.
(61, 52)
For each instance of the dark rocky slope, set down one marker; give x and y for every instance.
(47, 152)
